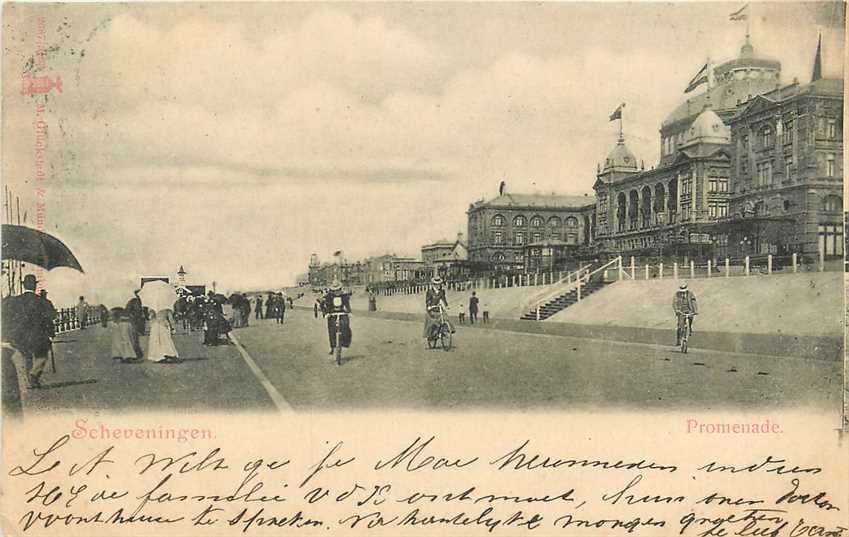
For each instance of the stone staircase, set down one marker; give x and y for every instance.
(561, 302)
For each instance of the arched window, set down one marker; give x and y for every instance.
(832, 204)
(571, 222)
(554, 222)
(498, 220)
(536, 221)
(519, 221)
(498, 257)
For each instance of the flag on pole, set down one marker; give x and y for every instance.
(700, 78)
(817, 74)
(617, 114)
(741, 14)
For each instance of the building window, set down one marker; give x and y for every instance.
(718, 185)
(555, 235)
(717, 208)
(787, 132)
(571, 222)
(536, 221)
(745, 141)
(686, 186)
(832, 129)
(498, 237)
(519, 238)
(536, 236)
(519, 221)
(498, 257)
(766, 137)
(764, 170)
(498, 220)
(832, 204)
(830, 168)
(788, 165)
(554, 222)
(685, 211)
(831, 239)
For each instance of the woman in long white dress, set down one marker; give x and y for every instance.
(160, 345)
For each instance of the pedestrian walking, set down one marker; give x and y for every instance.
(259, 307)
(473, 308)
(125, 341)
(160, 344)
(82, 312)
(462, 313)
(28, 329)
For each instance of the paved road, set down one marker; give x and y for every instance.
(388, 366)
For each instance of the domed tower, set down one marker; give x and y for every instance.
(619, 164)
(733, 82)
(707, 128)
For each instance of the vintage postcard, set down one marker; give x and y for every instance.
(424, 269)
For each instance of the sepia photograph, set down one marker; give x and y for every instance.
(451, 269)
(304, 206)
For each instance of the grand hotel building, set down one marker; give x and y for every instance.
(750, 166)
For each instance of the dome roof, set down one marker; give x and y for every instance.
(708, 128)
(620, 158)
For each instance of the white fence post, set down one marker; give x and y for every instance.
(769, 264)
(747, 265)
(795, 267)
(633, 268)
(822, 260)
(537, 312)
(727, 268)
(647, 271)
(619, 266)
(579, 289)
(660, 271)
(675, 271)
(692, 269)
(709, 267)
(536, 279)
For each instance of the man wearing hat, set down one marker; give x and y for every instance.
(337, 301)
(28, 327)
(434, 296)
(684, 305)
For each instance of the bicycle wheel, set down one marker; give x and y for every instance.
(445, 337)
(684, 338)
(338, 353)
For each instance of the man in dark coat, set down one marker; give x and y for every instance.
(28, 327)
(473, 308)
(280, 308)
(135, 311)
(259, 307)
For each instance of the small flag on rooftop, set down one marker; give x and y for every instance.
(700, 78)
(617, 114)
(741, 14)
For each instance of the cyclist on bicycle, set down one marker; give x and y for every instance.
(434, 297)
(685, 307)
(337, 301)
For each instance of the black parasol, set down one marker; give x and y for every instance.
(32, 246)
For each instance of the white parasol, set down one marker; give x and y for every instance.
(158, 295)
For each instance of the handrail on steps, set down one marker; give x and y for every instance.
(553, 289)
(577, 283)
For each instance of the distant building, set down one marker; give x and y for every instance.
(390, 268)
(448, 259)
(500, 228)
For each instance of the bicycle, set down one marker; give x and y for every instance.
(338, 347)
(685, 331)
(441, 334)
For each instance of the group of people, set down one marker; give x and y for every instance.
(132, 322)
(275, 306)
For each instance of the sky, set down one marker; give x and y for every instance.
(237, 139)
